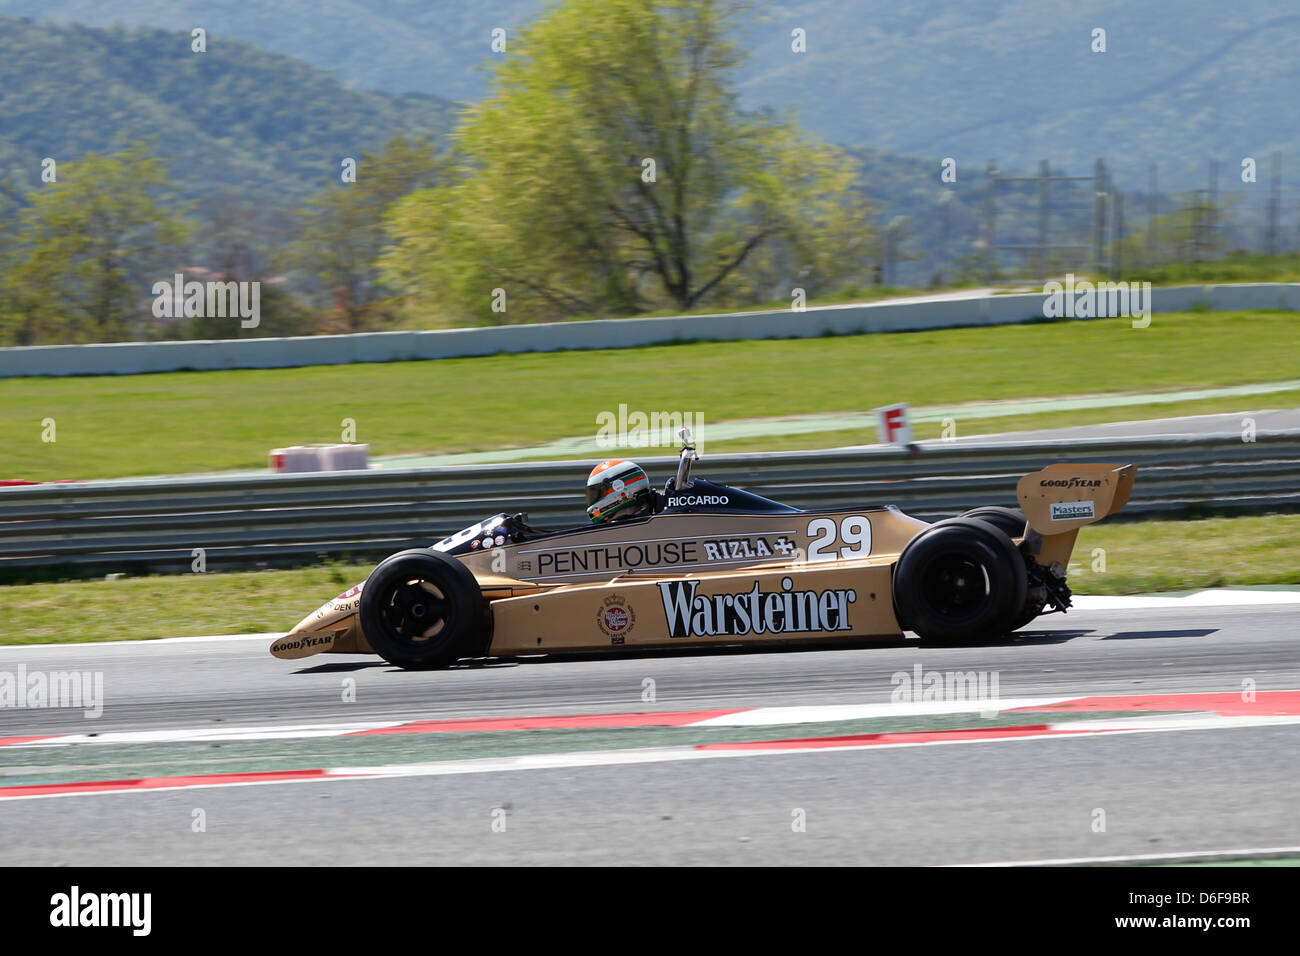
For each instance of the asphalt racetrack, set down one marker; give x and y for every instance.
(207, 717)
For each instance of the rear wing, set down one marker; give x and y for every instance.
(1061, 499)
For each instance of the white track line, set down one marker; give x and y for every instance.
(753, 717)
(828, 713)
(149, 643)
(1190, 721)
(1190, 856)
(205, 734)
(1212, 597)
(1201, 719)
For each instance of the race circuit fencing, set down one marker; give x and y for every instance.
(250, 521)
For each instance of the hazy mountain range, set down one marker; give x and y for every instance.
(235, 119)
(1014, 80)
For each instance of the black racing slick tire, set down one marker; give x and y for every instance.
(960, 581)
(1010, 521)
(422, 609)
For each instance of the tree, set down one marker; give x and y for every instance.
(241, 240)
(611, 169)
(88, 249)
(342, 230)
(10, 208)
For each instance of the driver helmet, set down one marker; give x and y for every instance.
(618, 489)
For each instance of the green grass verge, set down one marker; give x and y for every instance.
(1171, 555)
(1236, 267)
(975, 425)
(242, 602)
(1139, 557)
(207, 421)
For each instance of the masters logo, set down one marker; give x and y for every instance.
(615, 618)
(1070, 510)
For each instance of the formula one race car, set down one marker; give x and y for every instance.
(715, 565)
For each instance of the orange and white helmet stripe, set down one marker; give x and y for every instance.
(613, 485)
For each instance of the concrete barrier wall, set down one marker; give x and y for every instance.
(132, 358)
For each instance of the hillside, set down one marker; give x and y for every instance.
(1007, 79)
(234, 119)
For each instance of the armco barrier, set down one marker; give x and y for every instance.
(157, 524)
(129, 358)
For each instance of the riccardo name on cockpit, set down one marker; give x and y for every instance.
(755, 611)
(687, 500)
(702, 495)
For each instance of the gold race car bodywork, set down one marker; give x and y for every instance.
(703, 571)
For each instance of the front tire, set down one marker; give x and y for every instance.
(960, 581)
(422, 609)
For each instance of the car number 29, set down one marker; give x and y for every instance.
(854, 531)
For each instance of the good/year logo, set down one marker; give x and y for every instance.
(1070, 483)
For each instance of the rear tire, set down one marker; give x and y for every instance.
(422, 609)
(960, 581)
(1010, 521)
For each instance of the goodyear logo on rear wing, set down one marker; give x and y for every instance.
(1070, 483)
(755, 611)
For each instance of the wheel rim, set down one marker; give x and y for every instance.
(415, 611)
(955, 585)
